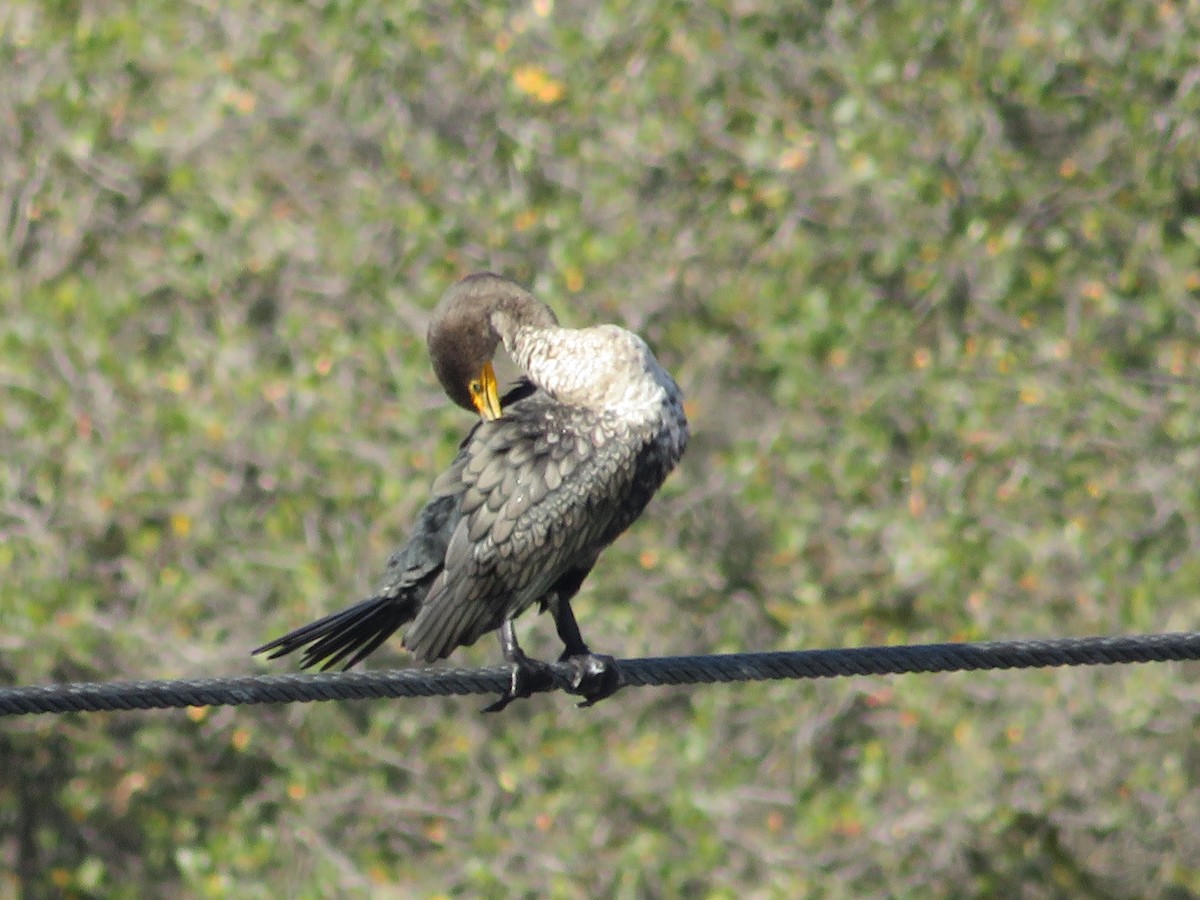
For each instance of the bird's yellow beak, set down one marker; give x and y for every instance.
(485, 394)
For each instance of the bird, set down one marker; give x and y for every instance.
(551, 473)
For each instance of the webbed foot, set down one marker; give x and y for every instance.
(594, 676)
(529, 676)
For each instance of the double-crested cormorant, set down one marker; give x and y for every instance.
(553, 473)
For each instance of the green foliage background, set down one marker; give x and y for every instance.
(929, 276)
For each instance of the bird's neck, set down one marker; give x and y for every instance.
(605, 369)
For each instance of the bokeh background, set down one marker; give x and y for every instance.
(928, 274)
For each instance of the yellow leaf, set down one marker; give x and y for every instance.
(534, 81)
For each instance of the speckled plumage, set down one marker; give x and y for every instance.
(532, 497)
(532, 507)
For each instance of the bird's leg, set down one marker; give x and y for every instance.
(595, 675)
(528, 675)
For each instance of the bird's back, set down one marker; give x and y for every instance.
(541, 491)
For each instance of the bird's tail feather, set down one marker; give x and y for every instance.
(352, 632)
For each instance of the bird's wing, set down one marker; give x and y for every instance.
(421, 558)
(539, 490)
(350, 634)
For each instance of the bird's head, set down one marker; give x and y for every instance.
(463, 335)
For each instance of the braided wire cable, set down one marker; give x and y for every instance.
(668, 670)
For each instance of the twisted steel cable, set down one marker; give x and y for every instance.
(669, 670)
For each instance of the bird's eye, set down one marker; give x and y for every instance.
(476, 387)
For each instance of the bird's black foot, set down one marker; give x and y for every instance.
(529, 676)
(594, 676)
